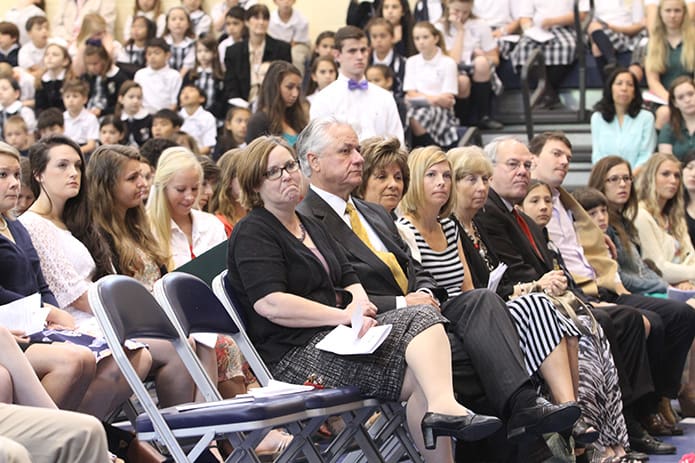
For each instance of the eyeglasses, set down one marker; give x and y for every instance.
(515, 164)
(276, 172)
(618, 178)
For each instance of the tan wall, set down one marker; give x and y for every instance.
(322, 14)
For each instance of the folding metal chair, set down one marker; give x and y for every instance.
(196, 309)
(389, 432)
(125, 309)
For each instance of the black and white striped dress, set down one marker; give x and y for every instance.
(539, 325)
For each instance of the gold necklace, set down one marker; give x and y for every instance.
(3, 227)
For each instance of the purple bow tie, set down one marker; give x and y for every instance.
(355, 85)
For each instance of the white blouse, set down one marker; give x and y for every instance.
(207, 232)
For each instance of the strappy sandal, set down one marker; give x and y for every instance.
(283, 441)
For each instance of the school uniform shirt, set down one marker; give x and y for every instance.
(201, 125)
(496, 13)
(182, 53)
(295, 29)
(139, 127)
(49, 94)
(476, 35)
(82, 128)
(619, 12)
(202, 23)
(160, 88)
(132, 54)
(207, 232)
(10, 56)
(212, 88)
(30, 55)
(397, 64)
(27, 84)
(371, 112)
(103, 90)
(431, 77)
(541, 9)
(18, 109)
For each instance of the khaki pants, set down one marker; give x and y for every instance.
(42, 435)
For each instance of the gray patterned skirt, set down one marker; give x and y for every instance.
(439, 122)
(377, 375)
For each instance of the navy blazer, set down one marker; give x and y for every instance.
(237, 77)
(374, 275)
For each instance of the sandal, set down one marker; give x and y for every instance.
(280, 440)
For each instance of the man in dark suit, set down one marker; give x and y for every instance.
(524, 249)
(240, 74)
(488, 366)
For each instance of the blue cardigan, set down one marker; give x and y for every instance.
(21, 268)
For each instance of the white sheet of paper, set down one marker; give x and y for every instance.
(649, 96)
(25, 314)
(206, 339)
(496, 276)
(275, 388)
(511, 38)
(539, 34)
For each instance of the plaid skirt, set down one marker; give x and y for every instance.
(440, 123)
(560, 50)
(623, 42)
(377, 375)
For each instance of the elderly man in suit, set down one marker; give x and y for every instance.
(488, 366)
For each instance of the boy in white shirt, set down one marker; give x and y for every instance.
(197, 122)
(31, 54)
(291, 26)
(80, 125)
(160, 84)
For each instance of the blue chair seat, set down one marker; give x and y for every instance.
(324, 398)
(219, 416)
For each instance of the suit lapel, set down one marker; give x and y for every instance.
(350, 242)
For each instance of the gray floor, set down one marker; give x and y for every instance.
(684, 443)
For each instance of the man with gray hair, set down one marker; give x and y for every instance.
(488, 367)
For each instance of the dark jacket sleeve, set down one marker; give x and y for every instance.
(234, 66)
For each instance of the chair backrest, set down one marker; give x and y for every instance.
(195, 305)
(225, 295)
(131, 310)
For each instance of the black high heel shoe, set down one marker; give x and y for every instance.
(470, 427)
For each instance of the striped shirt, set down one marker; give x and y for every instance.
(445, 266)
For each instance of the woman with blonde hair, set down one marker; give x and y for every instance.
(547, 339)
(183, 232)
(664, 238)
(670, 53)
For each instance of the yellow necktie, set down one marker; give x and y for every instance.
(387, 257)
